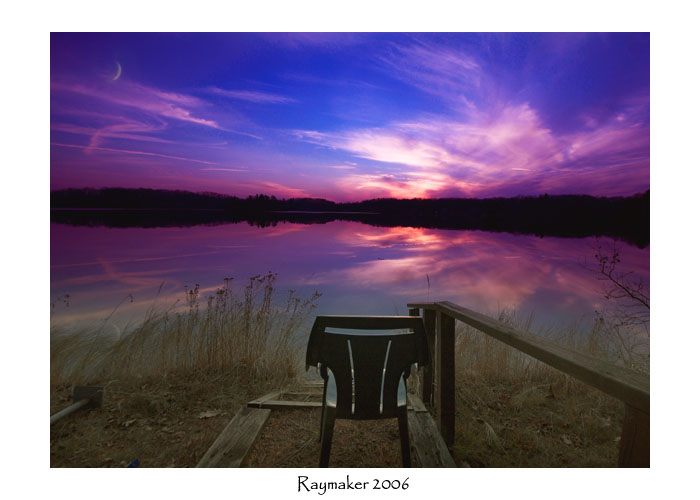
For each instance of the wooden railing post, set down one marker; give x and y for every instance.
(445, 377)
(426, 379)
(427, 382)
(634, 445)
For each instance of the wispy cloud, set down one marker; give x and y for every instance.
(171, 105)
(119, 131)
(484, 151)
(283, 190)
(251, 96)
(224, 169)
(435, 69)
(132, 152)
(342, 167)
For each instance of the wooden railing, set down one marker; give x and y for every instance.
(630, 387)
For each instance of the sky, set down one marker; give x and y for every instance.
(352, 116)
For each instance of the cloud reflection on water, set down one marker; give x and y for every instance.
(360, 269)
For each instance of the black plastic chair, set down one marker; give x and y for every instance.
(365, 374)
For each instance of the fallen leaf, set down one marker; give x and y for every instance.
(566, 440)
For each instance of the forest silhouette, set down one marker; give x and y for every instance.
(625, 218)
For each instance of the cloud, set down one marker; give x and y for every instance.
(435, 69)
(282, 190)
(150, 100)
(224, 169)
(119, 131)
(252, 96)
(131, 152)
(487, 153)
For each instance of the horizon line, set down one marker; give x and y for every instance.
(222, 195)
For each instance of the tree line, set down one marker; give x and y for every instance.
(557, 215)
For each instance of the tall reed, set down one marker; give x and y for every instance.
(245, 335)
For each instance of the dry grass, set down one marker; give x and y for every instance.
(514, 411)
(175, 380)
(244, 336)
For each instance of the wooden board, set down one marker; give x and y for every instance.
(428, 446)
(415, 403)
(234, 443)
(276, 404)
(257, 403)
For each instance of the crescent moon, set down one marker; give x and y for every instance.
(119, 71)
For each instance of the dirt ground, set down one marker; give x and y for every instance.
(166, 424)
(290, 439)
(173, 424)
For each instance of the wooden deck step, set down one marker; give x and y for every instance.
(426, 442)
(276, 404)
(234, 443)
(288, 400)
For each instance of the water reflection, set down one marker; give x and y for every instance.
(360, 269)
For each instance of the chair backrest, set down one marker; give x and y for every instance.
(367, 368)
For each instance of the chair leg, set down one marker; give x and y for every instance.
(323, 412)
(403, 433)
(327, 425)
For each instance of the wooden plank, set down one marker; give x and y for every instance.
(634, 445)
(428, 381)
(445, 376)
(427, 444)
(274, 404)
(314, 384)
(618, 381)
(301, 393)
(234, 443)
(257, 403)
(415, 403)
(311, 385)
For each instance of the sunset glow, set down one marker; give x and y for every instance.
(352, 116)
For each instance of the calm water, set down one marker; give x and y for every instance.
(359, 269)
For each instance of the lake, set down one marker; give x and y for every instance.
(358, 268)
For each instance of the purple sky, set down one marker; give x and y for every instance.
(352, 116)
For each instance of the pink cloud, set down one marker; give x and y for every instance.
(120, 131)
(482, 153)
(282, 190)
(147, 99)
